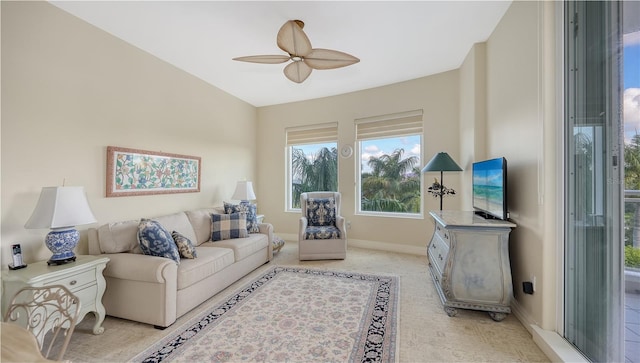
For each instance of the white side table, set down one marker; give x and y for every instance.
(83, 277)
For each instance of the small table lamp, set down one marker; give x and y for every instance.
(441, 162)
(61, 208)
(244, 192)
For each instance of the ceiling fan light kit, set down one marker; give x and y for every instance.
(295, 42)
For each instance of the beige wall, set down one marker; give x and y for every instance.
(437, 95)
(501, 104)
(473, 113)
(520, 125)
(69, 90)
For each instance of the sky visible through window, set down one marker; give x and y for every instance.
(631, 98)
(377, 148)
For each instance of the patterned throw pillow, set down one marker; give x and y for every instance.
(185, 247)
(249, 209)
(321, 212)
(227, 226)
(155, 240)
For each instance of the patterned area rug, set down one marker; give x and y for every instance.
(293, 314)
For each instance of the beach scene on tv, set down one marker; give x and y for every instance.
(488, 190)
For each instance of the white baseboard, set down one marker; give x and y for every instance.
(554, 346)
(385, 246)
(373, 245)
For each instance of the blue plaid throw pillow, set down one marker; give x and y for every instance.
(227, 226)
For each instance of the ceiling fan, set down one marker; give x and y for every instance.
(294, 41)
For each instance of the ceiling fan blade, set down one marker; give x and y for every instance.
(269, 59)
(297, 71)
(293, 40)
(329, 59)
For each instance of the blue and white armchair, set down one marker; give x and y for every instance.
(322, 234)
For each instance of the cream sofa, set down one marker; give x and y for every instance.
(156, 290)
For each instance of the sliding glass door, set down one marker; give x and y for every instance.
(593, 313)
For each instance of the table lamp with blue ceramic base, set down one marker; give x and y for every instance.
(61, 242)
(61, 208)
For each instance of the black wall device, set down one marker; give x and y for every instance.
(527, 286)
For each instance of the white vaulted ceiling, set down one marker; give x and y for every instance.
(395, 40)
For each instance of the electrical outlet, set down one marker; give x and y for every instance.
(533, 282)
(527, 287)
(348, 224)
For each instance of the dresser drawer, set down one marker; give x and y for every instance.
(87, 296)
(438, 250)
(75, 282)
(443, 233)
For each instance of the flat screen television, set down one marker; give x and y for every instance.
(490, 188)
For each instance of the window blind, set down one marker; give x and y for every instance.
(312, 134)
(397, 124)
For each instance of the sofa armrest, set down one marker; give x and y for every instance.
(141, 288)
(267, 228)
(143, 268)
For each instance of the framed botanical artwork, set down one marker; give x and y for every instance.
(141, 172)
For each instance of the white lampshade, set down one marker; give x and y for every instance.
(244, 191)
(61, 207)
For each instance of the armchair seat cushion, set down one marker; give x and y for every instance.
(322, 232)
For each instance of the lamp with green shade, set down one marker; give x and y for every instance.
(441, 162)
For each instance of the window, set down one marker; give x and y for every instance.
(312, 154)
(389, 150)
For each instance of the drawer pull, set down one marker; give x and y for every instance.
(446, 236)
(440, 257)
(73, 282)
(433, 246)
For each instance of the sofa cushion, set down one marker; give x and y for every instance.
(210, 260)
(155, 240)
(249, 209)
(119, 237)
(227, 226)
(201, 222)
(242, 247)
(185, 246)
(321, 212)
(177, 222)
